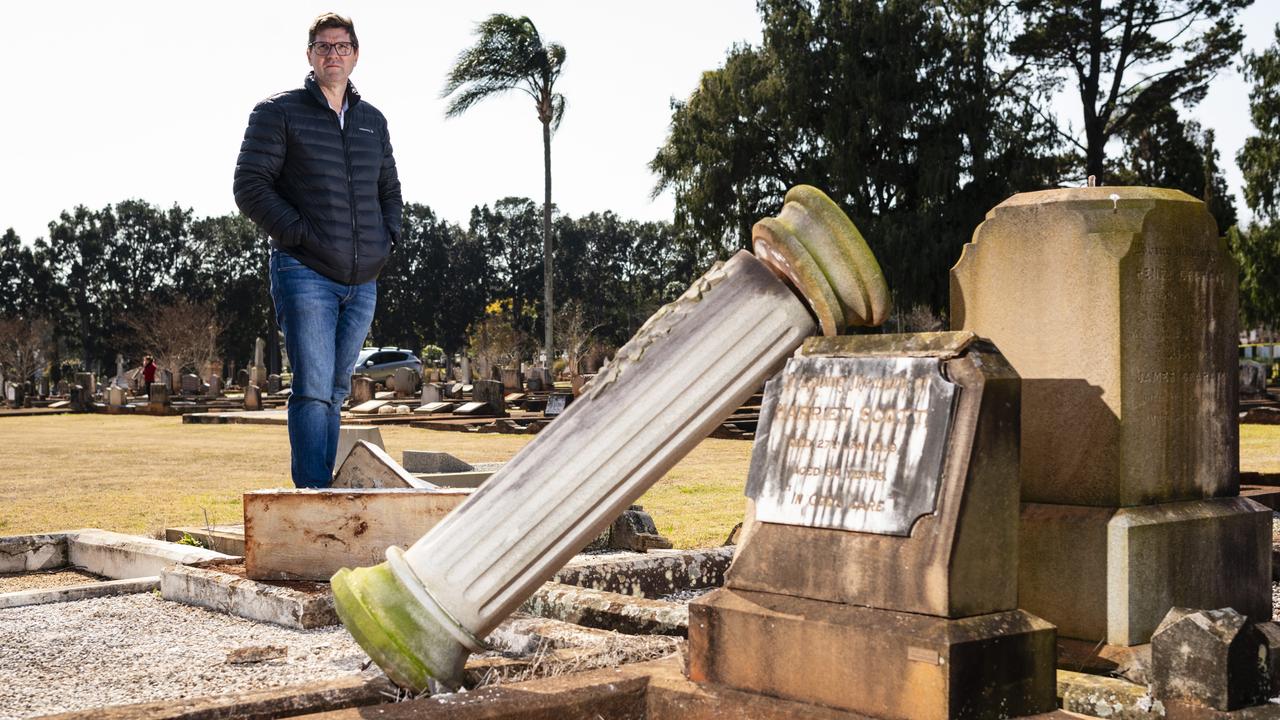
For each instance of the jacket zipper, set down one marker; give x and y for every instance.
(351, 198)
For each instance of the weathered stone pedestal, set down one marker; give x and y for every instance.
(1117, 307)
(878, 573)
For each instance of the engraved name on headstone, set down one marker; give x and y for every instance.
(852, 443)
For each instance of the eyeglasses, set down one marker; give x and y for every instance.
(322, 48)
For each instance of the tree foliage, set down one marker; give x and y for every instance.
(1128, 59)
(903, 112)
(1257, 248)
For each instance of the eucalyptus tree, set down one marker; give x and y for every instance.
(509, 54)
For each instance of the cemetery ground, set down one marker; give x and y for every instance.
(140, 474)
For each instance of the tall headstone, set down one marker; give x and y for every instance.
(432, 393)
(512, 379)
(88, 382)
(465, 378)
(361, 389)
(877, 554)
(259, 375)
(252, 397)
(1117, 307)
(214, 389)
(120, 380)
(492, 393)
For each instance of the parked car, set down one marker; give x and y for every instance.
(381, 363)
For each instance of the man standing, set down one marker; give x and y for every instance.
(316, 173)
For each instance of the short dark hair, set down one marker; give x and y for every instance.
(332, 20)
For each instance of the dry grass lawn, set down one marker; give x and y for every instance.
(139, 474)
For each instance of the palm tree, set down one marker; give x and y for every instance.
(509, 55)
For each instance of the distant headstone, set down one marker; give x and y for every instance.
(534, 384)
(1253, 379)
(190, 384)
(436, 407)
(44, 387)
(252, 397)
(214, 389)
(474, 408)
(117, 396)
(432, 392)
(88, 382)
(556, 404)
(273, 383)
(159, 396)
(242, 378)
(546, 377)
(465, 368)
(512, 379)
(361, 390)
(406, 382)
(489, 392)
(430, 461)
(80, 398)
(63, 388)
(349, 434)
(369, 407)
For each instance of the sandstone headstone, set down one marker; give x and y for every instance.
(883, 480)
(117, 396)
(465, 377)
(252, 397)
(1117, 307)
(491, 393)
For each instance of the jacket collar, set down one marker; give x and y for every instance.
(313, 87)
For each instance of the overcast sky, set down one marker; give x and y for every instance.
(109, 101)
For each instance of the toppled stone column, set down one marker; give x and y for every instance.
(420, 614)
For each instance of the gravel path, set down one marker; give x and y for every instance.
(140, 648)
(13, 582)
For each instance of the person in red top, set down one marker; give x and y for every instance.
(148, 372)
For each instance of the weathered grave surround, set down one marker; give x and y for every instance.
(419, 618)
(877, 570)
(1117, 307)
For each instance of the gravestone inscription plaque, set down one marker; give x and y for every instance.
(852, 443)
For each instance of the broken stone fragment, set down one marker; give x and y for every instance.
(1214, 659)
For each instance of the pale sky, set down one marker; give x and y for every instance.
(110, 101)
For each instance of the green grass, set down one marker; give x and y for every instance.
(139, 474)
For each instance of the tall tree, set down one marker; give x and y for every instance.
(508, 234)
(509, 54)
(1161, 150)
(1257, 248)
(1128, 58)
(902, 111)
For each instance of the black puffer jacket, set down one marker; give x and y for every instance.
(329, 196)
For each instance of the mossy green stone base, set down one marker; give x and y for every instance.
(398, 634)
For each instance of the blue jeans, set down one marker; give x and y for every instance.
(325, 324)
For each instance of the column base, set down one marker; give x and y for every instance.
(1110, 574)
(881, 663)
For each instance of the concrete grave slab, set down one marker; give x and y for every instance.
(119, 556)
(311, 534)
(456, 479)
(436, 407)
(228, 539)
(78, 592)
(224, 587)
(25, 553)
(369, 407)
(369, 466)
(473, 408)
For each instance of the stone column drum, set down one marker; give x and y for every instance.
(697, 359)
(1117, 307)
